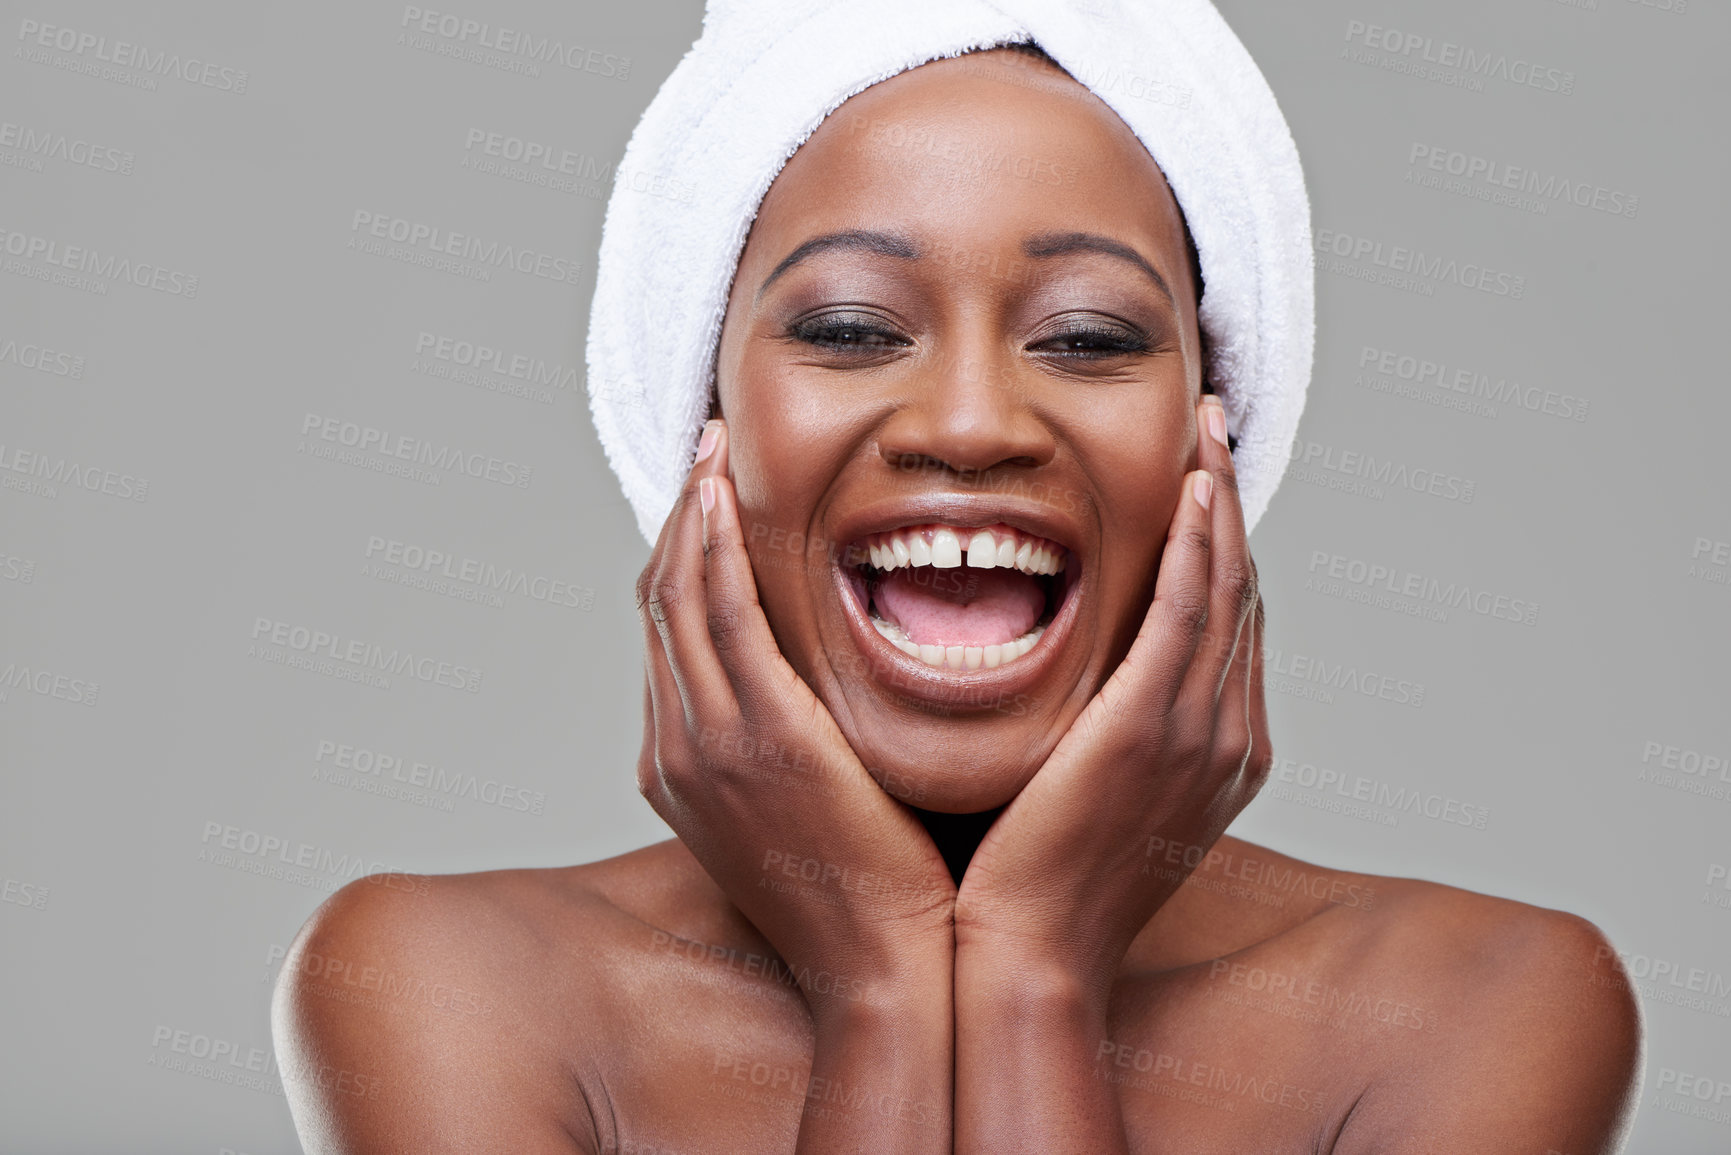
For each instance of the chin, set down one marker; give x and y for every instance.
(980, 772)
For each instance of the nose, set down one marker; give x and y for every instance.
(968, 414)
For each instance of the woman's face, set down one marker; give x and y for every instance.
(965, 305)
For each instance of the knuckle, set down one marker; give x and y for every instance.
(724, 629)
(1260, 762)
(1226, 478)
(1197, 539)
(1190, 607)
(664, 599)
(1187, 748)
(649, 783)
(671, 776)
(1238, 585)
(645, 580)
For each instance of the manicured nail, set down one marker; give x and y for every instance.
(1216, 418)
(706, 443)
(1202, 489)
(706, 493)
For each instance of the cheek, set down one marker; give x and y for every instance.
(788, 445)
(787, 451)
(1143, 451)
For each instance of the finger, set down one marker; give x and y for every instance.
(665, 740)
(739, 631)
(1233, 734)
(1261, 745)
(1179, 614)
(678, 596)
(1232, 577)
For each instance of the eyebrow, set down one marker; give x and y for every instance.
(1038, 247)
(1060, 244)
(860, 240)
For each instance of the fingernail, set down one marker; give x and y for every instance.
(1202, 489)
(706, 443)
(1216, 418)
(706, 493)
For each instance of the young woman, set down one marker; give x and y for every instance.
(954, 684)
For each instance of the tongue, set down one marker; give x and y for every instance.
(960, 606)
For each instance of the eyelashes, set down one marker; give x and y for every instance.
(1094, 341)
(857, 334)
(847, 332)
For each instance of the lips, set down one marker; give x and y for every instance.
(960, 610)
(976, 599)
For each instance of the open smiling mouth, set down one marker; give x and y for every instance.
(961, 598)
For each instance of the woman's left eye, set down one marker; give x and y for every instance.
(1095, 342)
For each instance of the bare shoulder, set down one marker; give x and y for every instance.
(1534, 1036)
(447, 1012)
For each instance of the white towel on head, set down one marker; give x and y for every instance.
(765, 73)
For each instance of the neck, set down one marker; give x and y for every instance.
(957, 836)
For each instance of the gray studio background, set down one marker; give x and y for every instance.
(172, 512)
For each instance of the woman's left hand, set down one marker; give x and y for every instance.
(1158, 764)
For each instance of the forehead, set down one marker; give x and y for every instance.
(974, 151)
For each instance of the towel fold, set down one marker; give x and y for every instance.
(765, 73)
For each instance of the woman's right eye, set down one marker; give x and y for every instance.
(847, 332)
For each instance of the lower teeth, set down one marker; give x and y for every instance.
(959, 657)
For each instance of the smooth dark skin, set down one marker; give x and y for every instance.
(1082, 989)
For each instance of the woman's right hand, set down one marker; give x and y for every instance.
(750, 769)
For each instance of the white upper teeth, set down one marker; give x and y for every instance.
(942, 547)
